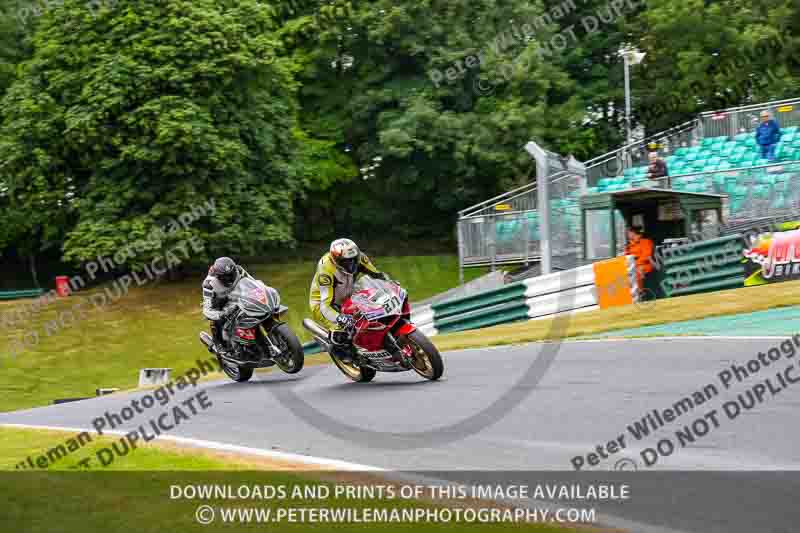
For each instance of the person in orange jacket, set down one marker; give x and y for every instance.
(641, 248)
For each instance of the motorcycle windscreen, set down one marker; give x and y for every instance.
(376, 298)
(256, 301)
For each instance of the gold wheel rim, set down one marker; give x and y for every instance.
(349, 368)
(421, 356)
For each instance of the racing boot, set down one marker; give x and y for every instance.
(218, 347)
(341, 346)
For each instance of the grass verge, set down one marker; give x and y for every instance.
(136, 494)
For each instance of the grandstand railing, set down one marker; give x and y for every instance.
(504, 229)
(753, 192)
(482, 229)
(636, 153)
(732, 121)
(720, 123)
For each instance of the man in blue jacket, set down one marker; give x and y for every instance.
(767, 136)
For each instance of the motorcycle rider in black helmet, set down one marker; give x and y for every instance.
(223, 276)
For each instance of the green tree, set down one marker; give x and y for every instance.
(428, 143)
(705, 55)
(128, 115)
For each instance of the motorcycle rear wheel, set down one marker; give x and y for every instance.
(286, 341)
(427, 359)
(359, 374)
(235, 372)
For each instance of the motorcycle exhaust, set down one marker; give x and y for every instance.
(315, 329)
(206, 339)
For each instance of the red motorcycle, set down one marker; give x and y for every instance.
(384, 339)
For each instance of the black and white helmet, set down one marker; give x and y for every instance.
(226, 271)
(345, 255)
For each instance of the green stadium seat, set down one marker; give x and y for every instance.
(740, 138)
(717, 147)
(727, 149)
(681, 152)
(748, 160)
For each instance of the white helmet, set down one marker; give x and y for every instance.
(345, 255)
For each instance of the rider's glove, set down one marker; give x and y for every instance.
(346, 322)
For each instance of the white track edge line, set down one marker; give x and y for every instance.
(221, 446)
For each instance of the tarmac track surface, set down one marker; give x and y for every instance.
(587, 397)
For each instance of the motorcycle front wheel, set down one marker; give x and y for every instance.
(286, 341)
(359, 374)
(427, 361)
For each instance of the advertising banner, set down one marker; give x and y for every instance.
(774, 257)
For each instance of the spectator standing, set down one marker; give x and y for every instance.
(768, 134)
(641, 248)
(658, 167)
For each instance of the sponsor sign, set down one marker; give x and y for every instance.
(774, 257)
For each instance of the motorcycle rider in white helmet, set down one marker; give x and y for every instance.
(337, 272)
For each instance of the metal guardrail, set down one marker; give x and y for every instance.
(704, 266)
(25, 293)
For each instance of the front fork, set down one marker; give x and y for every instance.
(404, 353)
(264, 332)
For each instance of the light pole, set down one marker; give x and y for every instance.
(630, 56)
